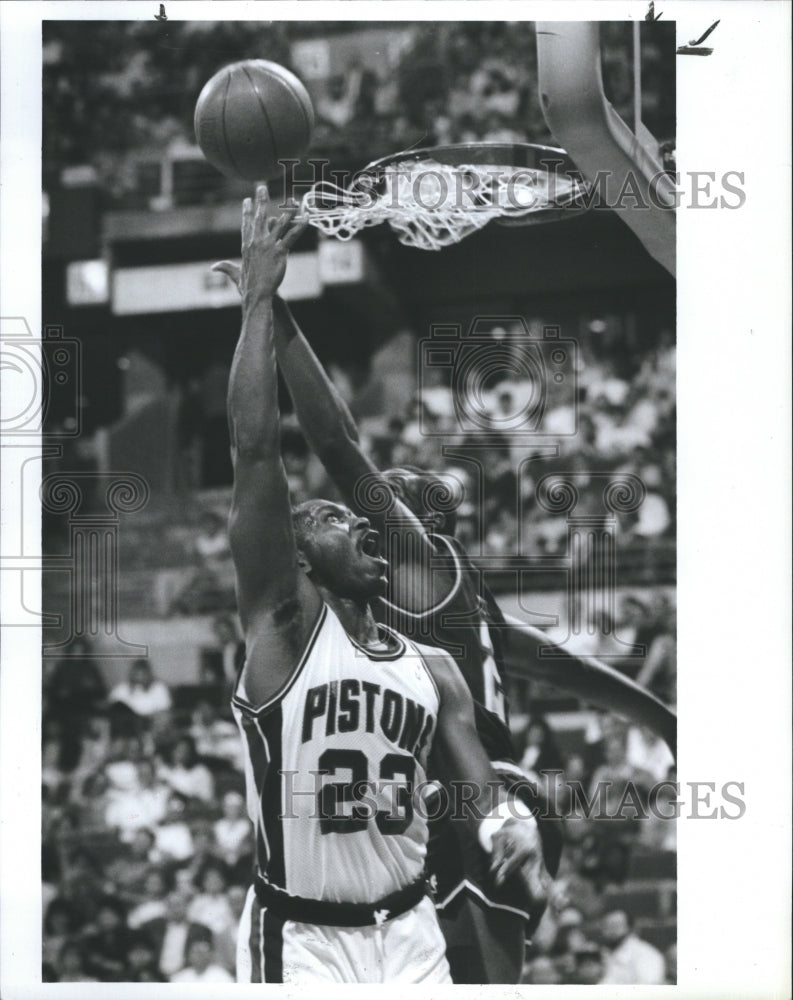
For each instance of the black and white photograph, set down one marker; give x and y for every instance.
(395, 497)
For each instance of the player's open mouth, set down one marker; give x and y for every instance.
(370, 544)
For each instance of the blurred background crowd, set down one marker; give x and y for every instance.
(146, 842)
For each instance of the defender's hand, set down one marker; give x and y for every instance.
(266, 243)
(517, 848)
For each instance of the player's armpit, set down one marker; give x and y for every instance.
(418, 586)
(277, 638)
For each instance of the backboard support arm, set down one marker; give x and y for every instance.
(583, 121)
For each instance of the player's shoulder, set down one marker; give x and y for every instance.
(421, 587)
(433, 654)
(445, 673)
(466, 576)
(450, 546)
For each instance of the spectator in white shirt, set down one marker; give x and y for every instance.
(141, 692)
(211, 906)
(629, 960)
(154, 905)
(648, 754)
(143, 805)
(233, 830)
(173, 840)
(200, 966)
(185, 774)
(654, 517)
(212, 543)
(121, 768)
(216, 737)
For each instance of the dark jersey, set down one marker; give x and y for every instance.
(460, 624)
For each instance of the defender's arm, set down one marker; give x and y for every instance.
(330, 425)
(587, 679)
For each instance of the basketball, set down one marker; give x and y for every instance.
(249, 116)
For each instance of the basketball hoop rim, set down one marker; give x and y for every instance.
(511, 155)
(528, 155)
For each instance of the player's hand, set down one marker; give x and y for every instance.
(517, 849)
(266, 242)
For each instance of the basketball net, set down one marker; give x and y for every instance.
(431, 205)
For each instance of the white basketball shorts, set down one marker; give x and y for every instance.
(409, 948)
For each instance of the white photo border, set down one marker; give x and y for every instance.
(734, 350)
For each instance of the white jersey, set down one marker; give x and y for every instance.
(332, 763)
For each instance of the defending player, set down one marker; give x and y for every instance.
(339, 894)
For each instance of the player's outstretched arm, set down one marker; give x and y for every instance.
(324, 416)
(506, 828)
(277, 603)
(588, 679)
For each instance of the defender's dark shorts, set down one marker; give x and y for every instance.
(486, 926)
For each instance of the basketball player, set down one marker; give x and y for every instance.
(435, 596)
(339, 893)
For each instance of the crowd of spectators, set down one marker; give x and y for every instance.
(616, 424)
(473, 82)
(148, 850)
(454, 83)
(466, 82)
(608, 953)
